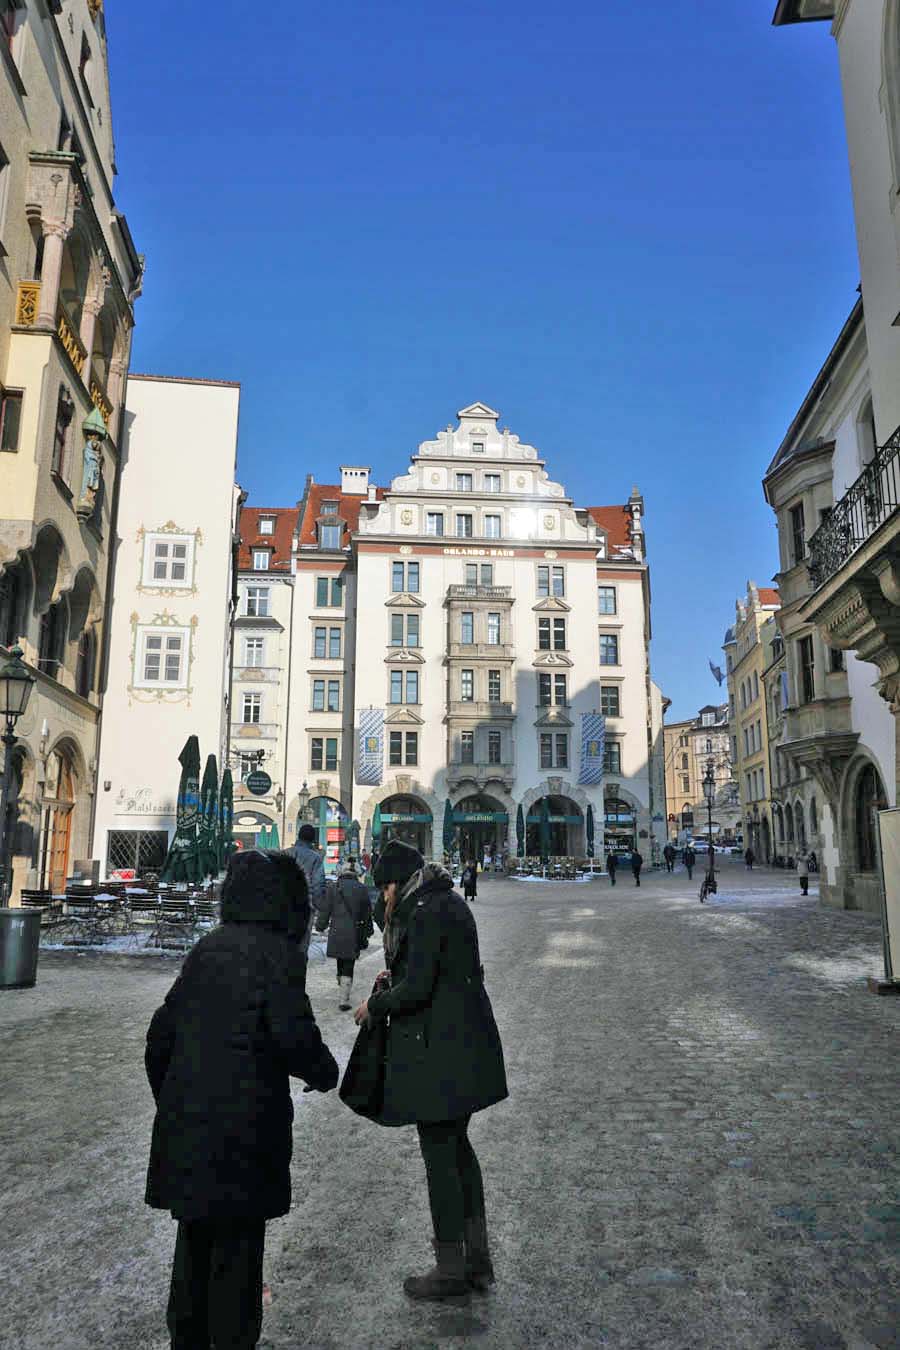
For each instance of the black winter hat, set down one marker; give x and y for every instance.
(268, 888)
(398, 862)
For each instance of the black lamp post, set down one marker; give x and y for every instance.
(303, 803)
(709, 792)
(16, 683)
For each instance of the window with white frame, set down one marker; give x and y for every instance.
(330, 536)
(467, 627)
(478, 447)
(609, 700)
(609, 649)
(257, 602)
(552, 689)
(162, 658)
(492, 527)
(323, 753)
(404, 577)
(403, 747)
(551, 580)
(495, 746)
(479, 574)
(493, 629)
(467, 686)
(606, 599)
(554, 750)
(552, 635)
(169, 560)
(494, 686)
(434, 523)
(404, 686)
(251, 708)
(464, 482)
(254, 651)
(260, 560)
(612, 757)
(467, 747)
(493, 482)
(267, 524)
(464, 525)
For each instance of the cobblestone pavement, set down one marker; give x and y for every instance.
(700, 1148)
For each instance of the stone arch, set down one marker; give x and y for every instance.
(561, 787)
(404, 785)
(800, 824)
(51, 567)
(861, 761)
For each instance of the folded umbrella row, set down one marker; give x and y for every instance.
(204, 820)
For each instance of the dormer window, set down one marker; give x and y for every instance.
(329, 508)
(260, 560)
(329, 535)
(266, 525)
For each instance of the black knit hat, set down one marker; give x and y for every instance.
(268, 888)
(398, 862)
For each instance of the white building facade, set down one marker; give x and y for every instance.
(465, 646)
(170, 626)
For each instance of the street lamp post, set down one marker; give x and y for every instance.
(16, 683)
(303, 802)
(709, 792)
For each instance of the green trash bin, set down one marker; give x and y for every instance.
(20, 935)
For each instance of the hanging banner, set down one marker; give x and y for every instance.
(370, 745)
(593, 745)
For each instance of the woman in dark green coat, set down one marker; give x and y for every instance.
(444, 1057)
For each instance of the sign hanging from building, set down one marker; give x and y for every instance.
(370, 745)
(593, 745)
(258, 782)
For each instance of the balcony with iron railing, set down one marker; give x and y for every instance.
(861, 512)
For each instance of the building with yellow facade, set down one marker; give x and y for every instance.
(68, 280)
(747, 657)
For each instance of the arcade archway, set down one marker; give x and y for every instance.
(620, 825)
(563, 825)
(481, 824)
(330, 821)
(408, 819)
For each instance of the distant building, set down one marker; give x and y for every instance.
(69, 276)
(170, 640)
(689, 747)
(746, 658)
(466, 641)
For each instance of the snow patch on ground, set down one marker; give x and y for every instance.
(135, 944)
(851, 967)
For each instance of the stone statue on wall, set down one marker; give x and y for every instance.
(94, 430)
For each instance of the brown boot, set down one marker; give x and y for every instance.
(479, 1267)
(446, 1280)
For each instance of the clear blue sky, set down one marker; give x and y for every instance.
(624, 223)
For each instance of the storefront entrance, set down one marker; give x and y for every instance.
(405, 818)
(330, 821)
(481, 826)
(554, 832)
(59, 804)
(619, 826)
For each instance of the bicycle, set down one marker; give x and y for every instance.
(708, 886)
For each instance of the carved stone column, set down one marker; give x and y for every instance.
(90, 313)
(56, 232)
(118, 369)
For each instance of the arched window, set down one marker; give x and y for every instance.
(800, 825)
(84, 670)
(868, 799)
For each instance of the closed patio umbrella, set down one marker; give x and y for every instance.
(226, 819)
(449, 831)
(590, 831)
(376, 826)
(274, 841)
(520, 832)
(208, 826)
(183, 858)
(544, 830)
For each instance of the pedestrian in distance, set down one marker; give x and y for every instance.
(637, 862)
(612, 863)
(803, 871)
(347, 914)
(444, 1057)
(234, 1027)
(690, 858)
(309, 859)
(470, 880)
(669, 855)
(749, 859)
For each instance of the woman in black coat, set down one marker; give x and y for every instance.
(470, 880)
(346, 912)
(234, 1027)
(444, 1057)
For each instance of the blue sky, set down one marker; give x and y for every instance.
(625, 225)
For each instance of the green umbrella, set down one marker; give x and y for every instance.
(590, 831)
(274, 841)
(544, 830)
(209, 819)
(226, 819)
(354, 838)
(376, 825)
(183, 859)
(449, 832)
(520, 832)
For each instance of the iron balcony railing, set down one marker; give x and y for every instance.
(864, 507)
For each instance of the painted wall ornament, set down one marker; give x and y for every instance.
(94, 430)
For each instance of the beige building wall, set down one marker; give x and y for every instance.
(746, 660)
(69, 277)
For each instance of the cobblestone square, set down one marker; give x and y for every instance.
(699, 1151)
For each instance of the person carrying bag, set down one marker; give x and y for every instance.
(346, 912)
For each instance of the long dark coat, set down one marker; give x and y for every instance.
(444, 1057)
(234, 1026)
(345, 907)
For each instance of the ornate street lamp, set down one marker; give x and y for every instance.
(303, 802)
(16, 683)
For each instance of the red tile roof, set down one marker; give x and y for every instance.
(616, 521)
(285, 518)
(347, 509)
(768, 596)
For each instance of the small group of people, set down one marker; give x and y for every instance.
(636, 862)
(237, 1024)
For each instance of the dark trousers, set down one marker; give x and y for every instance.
(636, 871)
(215, 1298)
(455, 1189)
(690, 870)
(344, 967)
(612, 878)
(804, 885)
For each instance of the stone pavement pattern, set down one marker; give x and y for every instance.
(700, 1149)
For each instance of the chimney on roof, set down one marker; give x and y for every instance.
(372, 494)
(354, 480)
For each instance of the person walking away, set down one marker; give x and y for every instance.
(444, 1056)
(637, 862)
(690, 859)
(612, 863)
(748, 858)
(669, 855)
(347, 914)
(234, 1027)
(310, 861)
(803, 871)
(470, 880)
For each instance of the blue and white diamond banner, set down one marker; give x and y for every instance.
(370, 745)
(593, 745)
